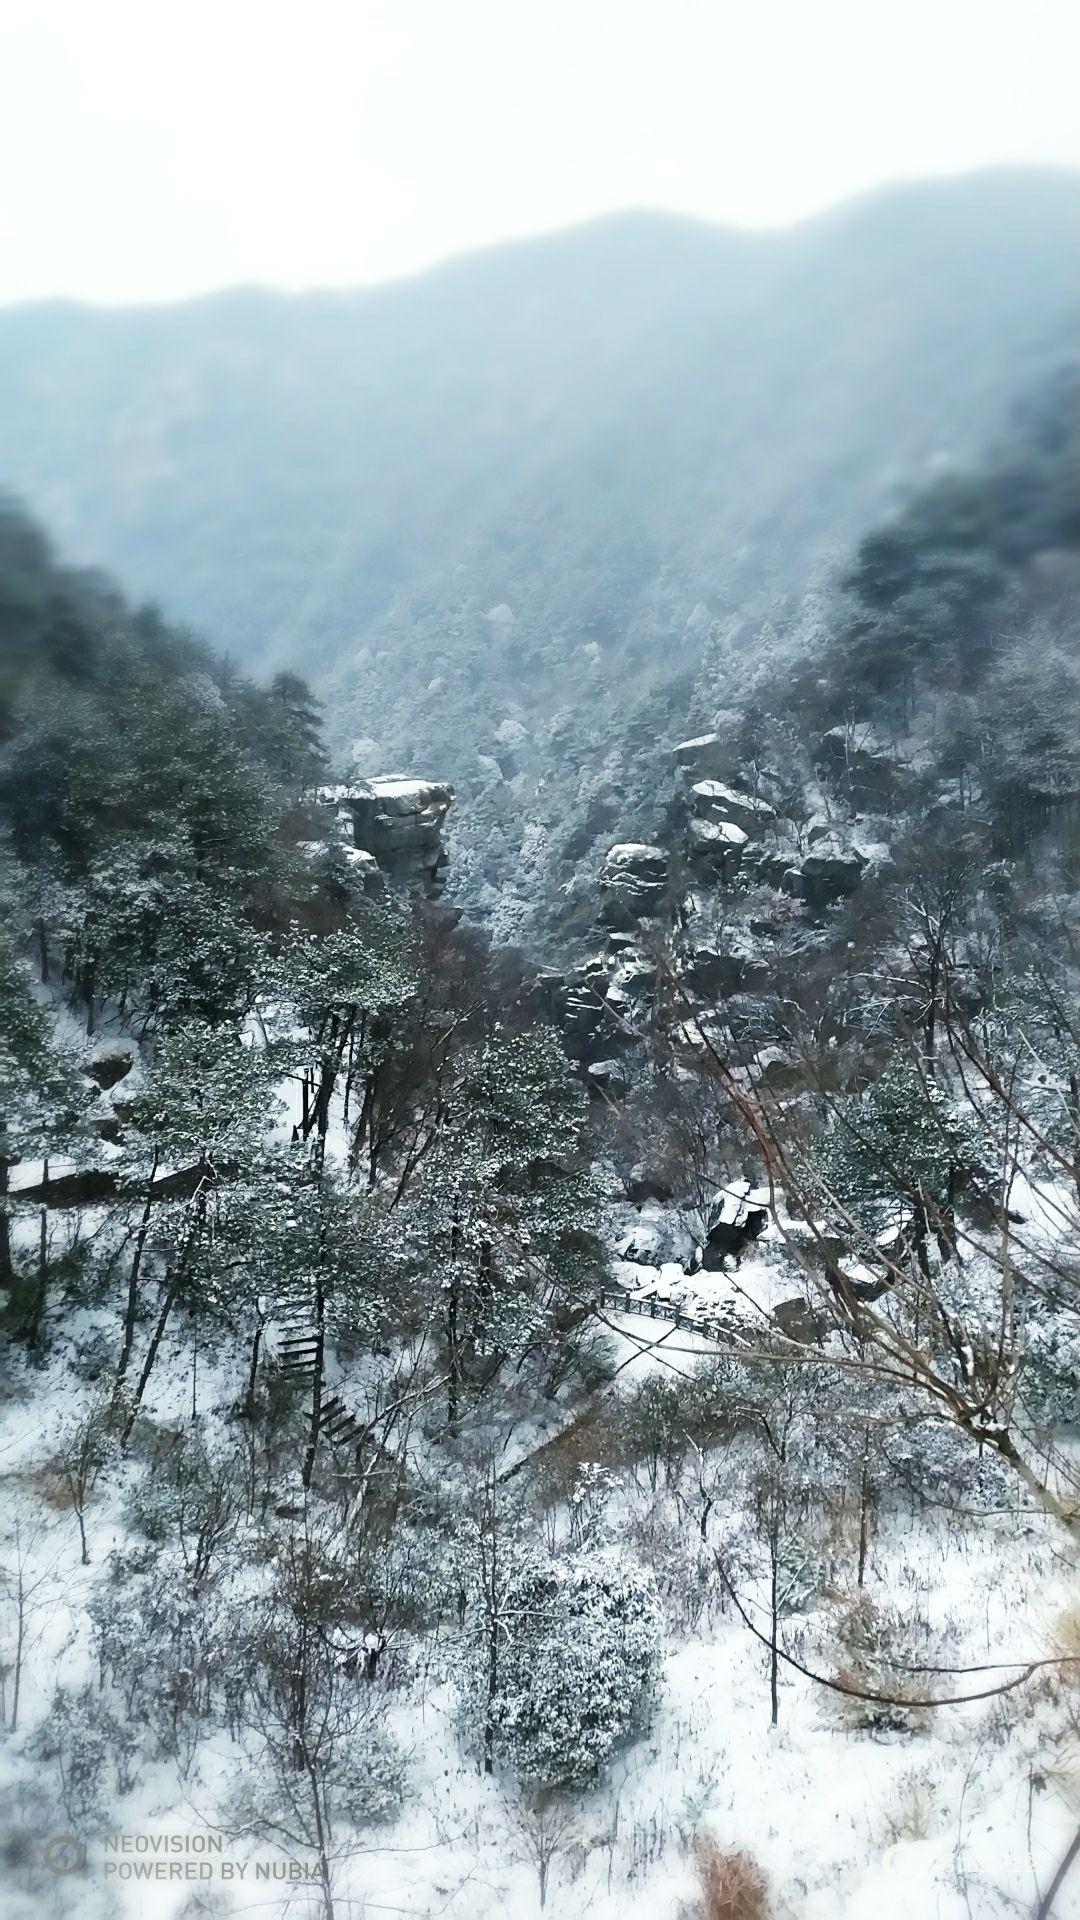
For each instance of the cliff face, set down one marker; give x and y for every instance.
(748, 884)
(397, 823)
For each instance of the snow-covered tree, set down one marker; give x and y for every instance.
(894, 1151)
(505, 1203)
(37, 1091)
(564, 1665)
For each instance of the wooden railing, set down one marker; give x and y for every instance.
(717, 1325)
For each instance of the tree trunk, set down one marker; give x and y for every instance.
(132, 1307)
(37, 1312)
(7, 1270)
(453, 1375)
(320, 1836)
(492, 1688)
(253, 1372)
(171, 1292)
(20, 1637)
(864, 1513)
(1058, 1881)
(453, 1303)
(158, 1335)
(774, 1692)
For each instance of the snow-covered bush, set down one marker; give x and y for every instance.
(576, 1668)
(358, 1782)
(92, 1750)
(160, 1642)
(878, 1647)
(928, 1461)
(588, 1501)
(682, 1565)
(1051, 1366)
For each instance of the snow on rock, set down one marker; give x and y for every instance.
(713, 800)
(650, 1235)
(397, 820)
(634, 879)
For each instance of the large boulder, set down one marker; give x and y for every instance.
(858, 763)
(717, 975)
(656, 1238)
(714, 800)
(111, 1062)
(799, 1320)
(634, 975)
(607, 1079)
(362, 868)
(704, 758)
(645, 1182)
(634, 879)
(591, 1006)
(399, 822)
(716, 845)
(829, 873)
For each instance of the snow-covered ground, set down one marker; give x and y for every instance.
(965, 1816)
(964, 1819)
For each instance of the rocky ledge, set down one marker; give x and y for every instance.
(398, 822)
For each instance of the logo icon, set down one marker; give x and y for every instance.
(902, 1860)
(64, 1853)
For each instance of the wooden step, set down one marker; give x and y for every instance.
(339, 1429)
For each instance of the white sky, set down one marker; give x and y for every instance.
(155, 148)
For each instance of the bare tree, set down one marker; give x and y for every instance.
(24, 1586)
(79, 1459)
(946, 1317)
(543, 1824)
(322, 1765)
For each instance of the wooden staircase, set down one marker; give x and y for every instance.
(298, 1344)
(297, 1348)
(297, 1353)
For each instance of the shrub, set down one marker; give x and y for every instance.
(877, 1643)
(731, 1886)
(578, 1667)
(92, 1750)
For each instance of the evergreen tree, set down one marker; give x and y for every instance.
(565, 1667)
(38, 1097)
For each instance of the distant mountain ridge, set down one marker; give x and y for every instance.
(481, 497)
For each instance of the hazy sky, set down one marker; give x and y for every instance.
(151, 148)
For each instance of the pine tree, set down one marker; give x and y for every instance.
(564, 1664)
(38, 1098)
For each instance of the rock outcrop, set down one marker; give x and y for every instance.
(829, 873)
(716, 846)
(705, 758)
(859, 765)
(713, 800)
(657, 1237)
(607, 1079)
(634, 881)
(397, 822)
(717, 976)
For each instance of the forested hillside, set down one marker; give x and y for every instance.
(480, 1438)
(494, 513)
